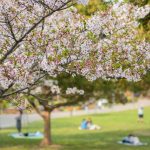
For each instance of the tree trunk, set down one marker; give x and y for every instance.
(47, 128)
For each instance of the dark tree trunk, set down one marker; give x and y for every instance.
(47, 128)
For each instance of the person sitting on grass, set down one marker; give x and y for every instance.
(88, 125)
(92, 126)
(83, 125)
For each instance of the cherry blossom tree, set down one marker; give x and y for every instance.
(38, 41)
(104, 46)
(19, 21)
(46, 97)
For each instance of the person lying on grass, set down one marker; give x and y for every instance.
(131, 139)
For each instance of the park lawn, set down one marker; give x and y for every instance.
(66, 135)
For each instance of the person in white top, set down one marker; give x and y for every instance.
(141, 113)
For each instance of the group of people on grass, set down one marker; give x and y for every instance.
(87, 124)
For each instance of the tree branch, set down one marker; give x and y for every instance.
(20, 90)
(35, 107)
(16, 44)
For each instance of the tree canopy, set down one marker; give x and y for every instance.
(106, 46)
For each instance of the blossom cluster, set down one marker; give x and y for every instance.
(55, 89)
(74, 90)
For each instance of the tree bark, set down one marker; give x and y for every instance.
(47, 128)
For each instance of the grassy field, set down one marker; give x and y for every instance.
(66, 135)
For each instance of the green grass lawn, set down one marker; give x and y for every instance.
(66, 135)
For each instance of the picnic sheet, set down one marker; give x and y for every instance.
(138, 144)
(36, 135)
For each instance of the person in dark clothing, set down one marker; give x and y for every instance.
(19, 121)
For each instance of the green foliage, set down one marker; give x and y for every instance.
(97, 89)
(92, 37)
(4, 105)
(65, 52)
(142, 86)
(139, 2)
(92, 7)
